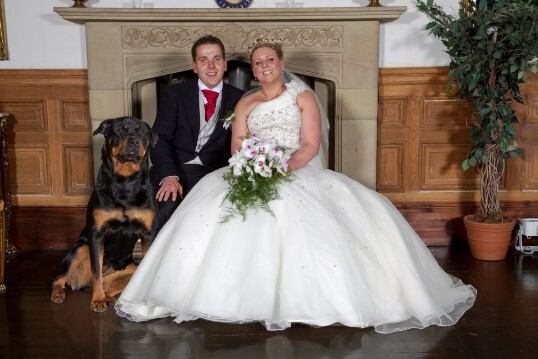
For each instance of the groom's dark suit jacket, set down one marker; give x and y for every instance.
(178, 124)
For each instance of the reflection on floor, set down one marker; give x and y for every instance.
(502, 324)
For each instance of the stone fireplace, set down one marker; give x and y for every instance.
(129, 48)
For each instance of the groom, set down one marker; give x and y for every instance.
(191, 140)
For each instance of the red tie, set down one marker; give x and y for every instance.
(211, 97)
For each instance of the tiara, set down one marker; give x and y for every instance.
(262, 40)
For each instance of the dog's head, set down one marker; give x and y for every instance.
(127, 140)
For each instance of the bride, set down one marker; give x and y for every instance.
(331, 252)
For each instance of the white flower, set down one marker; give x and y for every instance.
(237, 163)
(277, 153)
(260, 167)
(227, 120)
(282, 166)
(249, 147)
(266, 148)
(490, 30)
(250, 172)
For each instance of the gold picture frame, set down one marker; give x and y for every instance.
(3, 37)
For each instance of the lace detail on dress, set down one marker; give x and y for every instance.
(296, 88)
(279, 119)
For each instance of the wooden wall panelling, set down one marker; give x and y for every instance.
(433, 137)
(422, 140)
(47, 227)
(443, 145)
(435, 134)
(50, 137)
(392, 158)
(529, 136)
(76, 149)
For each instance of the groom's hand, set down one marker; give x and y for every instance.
(170, 186)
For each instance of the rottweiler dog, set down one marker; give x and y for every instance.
(121, 210)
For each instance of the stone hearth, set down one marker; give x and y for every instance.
(341, 45)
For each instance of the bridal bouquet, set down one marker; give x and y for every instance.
(254, 175)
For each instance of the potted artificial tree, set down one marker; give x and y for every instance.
(491, 44)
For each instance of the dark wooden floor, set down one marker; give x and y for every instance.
(502, 324)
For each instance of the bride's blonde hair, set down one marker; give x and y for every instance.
(266, 41)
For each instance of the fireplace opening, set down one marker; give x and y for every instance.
(146, 94)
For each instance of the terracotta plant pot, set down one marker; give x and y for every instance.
(489, 241)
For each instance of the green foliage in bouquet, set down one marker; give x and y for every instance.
(254, 177)
(245, 194)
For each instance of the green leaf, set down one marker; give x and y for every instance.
(504, 144)
(430, 25)
(523, 64)
(472, 161)
(484, 111)
(518, 152)
(472, 83)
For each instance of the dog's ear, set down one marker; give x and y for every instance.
(104, 127)
(153, 138)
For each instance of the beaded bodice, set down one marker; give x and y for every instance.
(279, 119)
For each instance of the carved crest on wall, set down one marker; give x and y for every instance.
(233, 3)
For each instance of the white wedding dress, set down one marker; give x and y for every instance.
(334, 252)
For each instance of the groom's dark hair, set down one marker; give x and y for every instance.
(207, 40)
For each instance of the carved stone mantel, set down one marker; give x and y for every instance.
(84, 15)
(337, 44)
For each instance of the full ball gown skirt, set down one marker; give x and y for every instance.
(334, 252)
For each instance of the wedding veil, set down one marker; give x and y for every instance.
(288, 76)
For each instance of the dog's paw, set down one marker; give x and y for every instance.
(110, 300)
(99, 305)
(58, 294)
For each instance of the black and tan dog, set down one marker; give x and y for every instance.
(121, 210)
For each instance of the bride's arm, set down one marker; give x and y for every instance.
(239, 125)
(310, 131)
